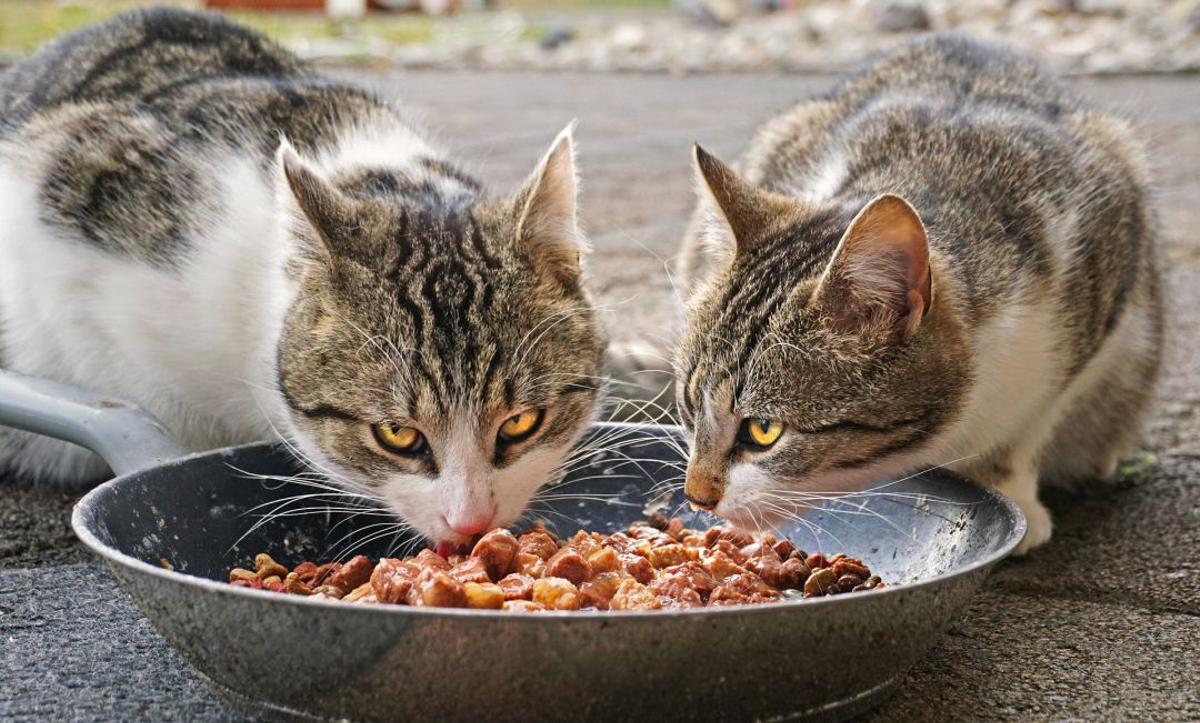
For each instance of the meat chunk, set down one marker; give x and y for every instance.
(598, 591)
(470, 570)
(632, 595)
(568, 563)
(537, 542)
(659, 564)
(668, 555)
(498, 551)
(604, 560)
(556, 593)
(530, 565)
(522, 606)
(637, 567)
(393, 579)
(483, 596)
(517, 587)
(429, 558)
(352, 574)
(437, 589)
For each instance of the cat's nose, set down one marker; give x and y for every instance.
(471, 525)
(702, 490)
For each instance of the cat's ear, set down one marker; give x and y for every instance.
(315, 205)
(741, 215)
(880, 272)
(547, 214)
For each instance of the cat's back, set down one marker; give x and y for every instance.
(136, 135)
(198, 76)
(1021, 182)
(960, 71)
(141, 56)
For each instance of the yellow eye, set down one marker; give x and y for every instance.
(761, 432)
(393, 437)
(520, 426)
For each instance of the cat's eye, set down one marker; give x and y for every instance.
(761, 433)
(402, 440)
(520, 426)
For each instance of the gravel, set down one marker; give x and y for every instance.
(1076, 36)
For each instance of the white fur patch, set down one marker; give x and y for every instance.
(193, 345)
(822, 183)
(376, 146)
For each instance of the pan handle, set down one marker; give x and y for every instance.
(128, 438)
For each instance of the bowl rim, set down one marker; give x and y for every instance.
(84, 513)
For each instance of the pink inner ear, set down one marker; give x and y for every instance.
(883, 259)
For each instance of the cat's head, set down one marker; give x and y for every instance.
(823, 352)
(441, 353)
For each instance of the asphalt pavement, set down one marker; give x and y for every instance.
(1103, 622)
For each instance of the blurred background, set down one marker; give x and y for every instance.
(673, 36)
(1083, 630)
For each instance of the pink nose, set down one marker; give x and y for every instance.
(471, 525)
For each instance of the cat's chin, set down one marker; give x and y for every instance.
(753, 520)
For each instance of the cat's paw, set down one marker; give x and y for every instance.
(1038, 525)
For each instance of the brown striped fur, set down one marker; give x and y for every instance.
(1032, 353)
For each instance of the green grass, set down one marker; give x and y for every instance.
(1145, 460)
(26, 24)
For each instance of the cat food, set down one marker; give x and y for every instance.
(653, 565)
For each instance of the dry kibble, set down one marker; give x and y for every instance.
(650, 566)
(820, 582)
(362, 593)
(784, 548)
(329, 591)
(265, 566)
(846, 583)
(239, 573)
(294, 585)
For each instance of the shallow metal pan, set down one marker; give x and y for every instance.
(169, 529)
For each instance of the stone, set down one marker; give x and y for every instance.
(556, 37)
(901, 17)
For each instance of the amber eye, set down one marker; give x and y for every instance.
(760, 432)
(403, 440)
(520, 426)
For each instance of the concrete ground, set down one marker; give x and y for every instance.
(1104, 622)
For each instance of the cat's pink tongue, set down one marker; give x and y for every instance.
(445, 548)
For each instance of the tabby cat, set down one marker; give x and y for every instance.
(947, 260)
(197, 222)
